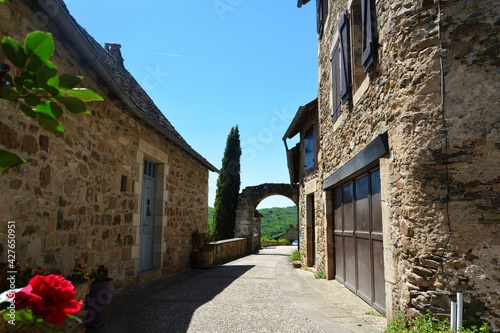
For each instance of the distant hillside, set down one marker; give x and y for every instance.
(275, 221)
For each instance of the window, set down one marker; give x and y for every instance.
(309, 148)
(341, 68)
(321, 14)
(149, 169)
(368, 40)
(353, 53)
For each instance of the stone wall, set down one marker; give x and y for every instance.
(440, 181)
(77, 200)
(228, 249)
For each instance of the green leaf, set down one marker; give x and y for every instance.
(44, 73)
(53, 87)
(13, 51)
(67, 81)
(54, 82)
(75, 318)
(26, 80)
(18, 83)
(84, 94)
(51, 125)
(57, 111)
(49, 110)
(40, 44)
(28, 110)
(74, 105)
(35, 64)
(9, 160)
(32, 100)
(8, 93)
(41, 92)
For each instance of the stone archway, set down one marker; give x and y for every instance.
(249, 199)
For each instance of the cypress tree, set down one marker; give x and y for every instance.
(228, 188)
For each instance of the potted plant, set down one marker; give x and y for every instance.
(100, 295)
(202, 255)
(81, 278)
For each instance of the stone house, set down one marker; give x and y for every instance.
(120, 187)
(398, 162)
(291, 234)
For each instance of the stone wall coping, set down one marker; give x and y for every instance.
(231, 240)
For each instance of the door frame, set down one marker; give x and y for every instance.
(147, 151)
(148, 176)
(311, 231)
(376, 154)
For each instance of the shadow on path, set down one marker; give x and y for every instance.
(168, 304)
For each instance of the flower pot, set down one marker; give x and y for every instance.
(100, 295)
(82, 289)
(202, 259)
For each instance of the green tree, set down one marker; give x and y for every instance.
(228, 188)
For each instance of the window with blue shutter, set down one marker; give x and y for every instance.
(341, 68)
(337, 103)
(345, 59)
(321, 14)
(368, 43)
(309, 148)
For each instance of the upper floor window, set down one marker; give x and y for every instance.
(321, 14)
(341, 67)
(309, 148)
(353, 53)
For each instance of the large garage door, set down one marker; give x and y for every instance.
(359, 261)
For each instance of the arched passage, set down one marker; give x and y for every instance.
(249, 199)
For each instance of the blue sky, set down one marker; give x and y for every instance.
(218, 64)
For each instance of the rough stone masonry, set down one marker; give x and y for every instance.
(434, 89)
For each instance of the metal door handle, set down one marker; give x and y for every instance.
(148, 212)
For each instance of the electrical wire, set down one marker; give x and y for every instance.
(443, 115)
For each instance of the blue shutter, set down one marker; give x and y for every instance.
(309, 149)
(319, 17)
(345, 59)
(336, 81)
(367, 40)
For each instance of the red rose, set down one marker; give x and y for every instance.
(51, 297)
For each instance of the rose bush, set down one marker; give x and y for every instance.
(51, 297)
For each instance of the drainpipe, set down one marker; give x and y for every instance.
(456, 313)
(298, 198)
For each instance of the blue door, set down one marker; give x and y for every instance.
(147, 217)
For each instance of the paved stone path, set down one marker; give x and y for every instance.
(258, 293)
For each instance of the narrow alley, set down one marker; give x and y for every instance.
(258, 293)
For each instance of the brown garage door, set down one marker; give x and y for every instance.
(359, 261)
